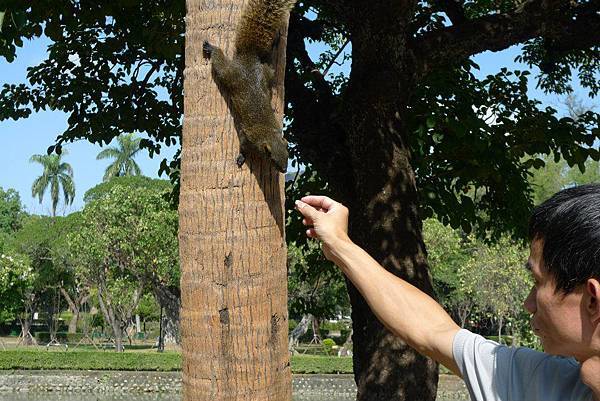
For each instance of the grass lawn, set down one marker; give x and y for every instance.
(83, 359)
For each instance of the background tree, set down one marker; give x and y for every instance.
(145, 226)
(17, 298)
(56, 175)
(448, 251)
(124, 153)
(36, 239)
(75, 291)
(133, 247)
(495, 276)
(405, 135)
(11, 214)
(101, 268)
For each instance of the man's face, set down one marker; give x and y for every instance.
(556, 318)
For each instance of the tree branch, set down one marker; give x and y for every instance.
(313, 108)
(453, 9)
(569, 26)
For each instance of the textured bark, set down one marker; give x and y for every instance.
(232, 245)
(384, 221)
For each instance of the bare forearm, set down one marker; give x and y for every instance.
(404, 309)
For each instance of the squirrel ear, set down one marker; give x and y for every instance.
(267, 148)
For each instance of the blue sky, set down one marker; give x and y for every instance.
(23, 138)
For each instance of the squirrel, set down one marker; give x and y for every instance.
(249, 79)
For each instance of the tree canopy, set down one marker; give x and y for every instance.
(410, 132)
(117, 67)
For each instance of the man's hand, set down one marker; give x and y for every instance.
(404, 309)
(327, 221)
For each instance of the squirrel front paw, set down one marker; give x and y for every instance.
(240, 160)
(207, 49)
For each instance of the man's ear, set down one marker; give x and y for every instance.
(592, 287)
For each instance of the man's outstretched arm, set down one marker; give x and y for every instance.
(405, 310)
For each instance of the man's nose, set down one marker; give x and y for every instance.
(530, 304)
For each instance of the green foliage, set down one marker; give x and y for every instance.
(143, 361)
(328, 344)
(321, 364)
(124, 154)
(479, 282)
(495, 276)
(43, 337)
(16, 281)
(148, 308)
(40, 239)
(134, 183)
(447, 250)
(89, 360)
(127, 240)
(557, 175)
(56, 175)
(11, 211)
(315, 285)
(476, 141)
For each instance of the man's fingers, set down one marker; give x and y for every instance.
(318, 201)
(311, 233)
(307, 222)
(307, 210)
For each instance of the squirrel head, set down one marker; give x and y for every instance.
(277, 152)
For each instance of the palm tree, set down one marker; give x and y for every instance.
(123, 154)
(56, 174)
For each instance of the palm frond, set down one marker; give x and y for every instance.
(54, 194)
(38, 188)
(108, 153)
(68, 187)
(65, 167)
(112, 171)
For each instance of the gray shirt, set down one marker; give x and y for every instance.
(494, 372)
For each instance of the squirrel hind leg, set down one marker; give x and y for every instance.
(269, 74)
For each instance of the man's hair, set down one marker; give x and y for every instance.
(569, 225)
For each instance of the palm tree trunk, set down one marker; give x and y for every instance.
(232, 246)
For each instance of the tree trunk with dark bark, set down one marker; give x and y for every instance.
(299, 331)
(384, 211)
(170, 300)
(118, 319)
(75, 308)
(231, 235)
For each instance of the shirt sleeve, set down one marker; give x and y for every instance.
(495, 372)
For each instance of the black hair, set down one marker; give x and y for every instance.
(569, 225)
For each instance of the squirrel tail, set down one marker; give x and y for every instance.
(259, 25)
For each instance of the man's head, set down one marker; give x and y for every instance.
(565, 263)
